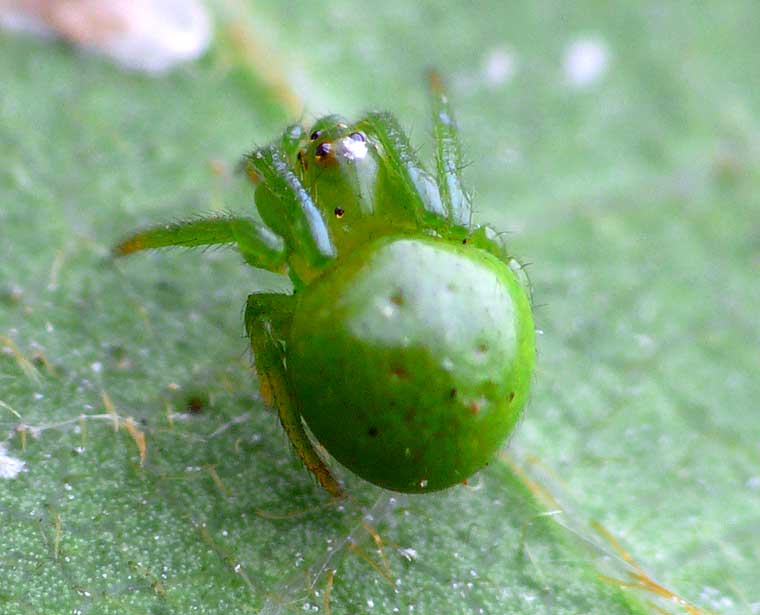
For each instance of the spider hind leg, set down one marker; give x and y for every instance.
(267, 320)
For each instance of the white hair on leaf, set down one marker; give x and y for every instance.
(10, 467)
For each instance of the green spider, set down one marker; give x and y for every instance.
(407, 346)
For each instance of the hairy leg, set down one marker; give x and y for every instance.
(419, 184)
(448, 155)
(290, 142)
(286, 207)
(267, 320)
(259, 246)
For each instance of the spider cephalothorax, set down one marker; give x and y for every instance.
(407, 346)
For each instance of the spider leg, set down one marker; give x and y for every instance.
(259, 246)
(288, 209)
(448, 155)
(267, 320)
(418, 184)
(290, 142)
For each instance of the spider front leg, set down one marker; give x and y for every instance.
(286, 207)
(268, 317)
(259, 246)
(448, 155)
(420, 186)
(439, 203)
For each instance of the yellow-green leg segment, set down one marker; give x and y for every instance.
(267, 320)
(259, 246)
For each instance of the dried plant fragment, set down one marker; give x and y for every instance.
(147, 35)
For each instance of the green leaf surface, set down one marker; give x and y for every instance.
(633, 483)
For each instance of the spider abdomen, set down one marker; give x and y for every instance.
(411, 360)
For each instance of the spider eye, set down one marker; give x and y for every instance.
(339, 212)
(323, 151)
(315, 135)
(358, 136)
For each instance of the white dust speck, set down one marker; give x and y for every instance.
(10, 467)
(147, 35)
(97, 367)
(715, 598)
(370, 603)
(586, 61)
(185, 417)
(409, 554)
(753, 483)
(499, 66)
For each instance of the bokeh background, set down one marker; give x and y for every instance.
(617, 143)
